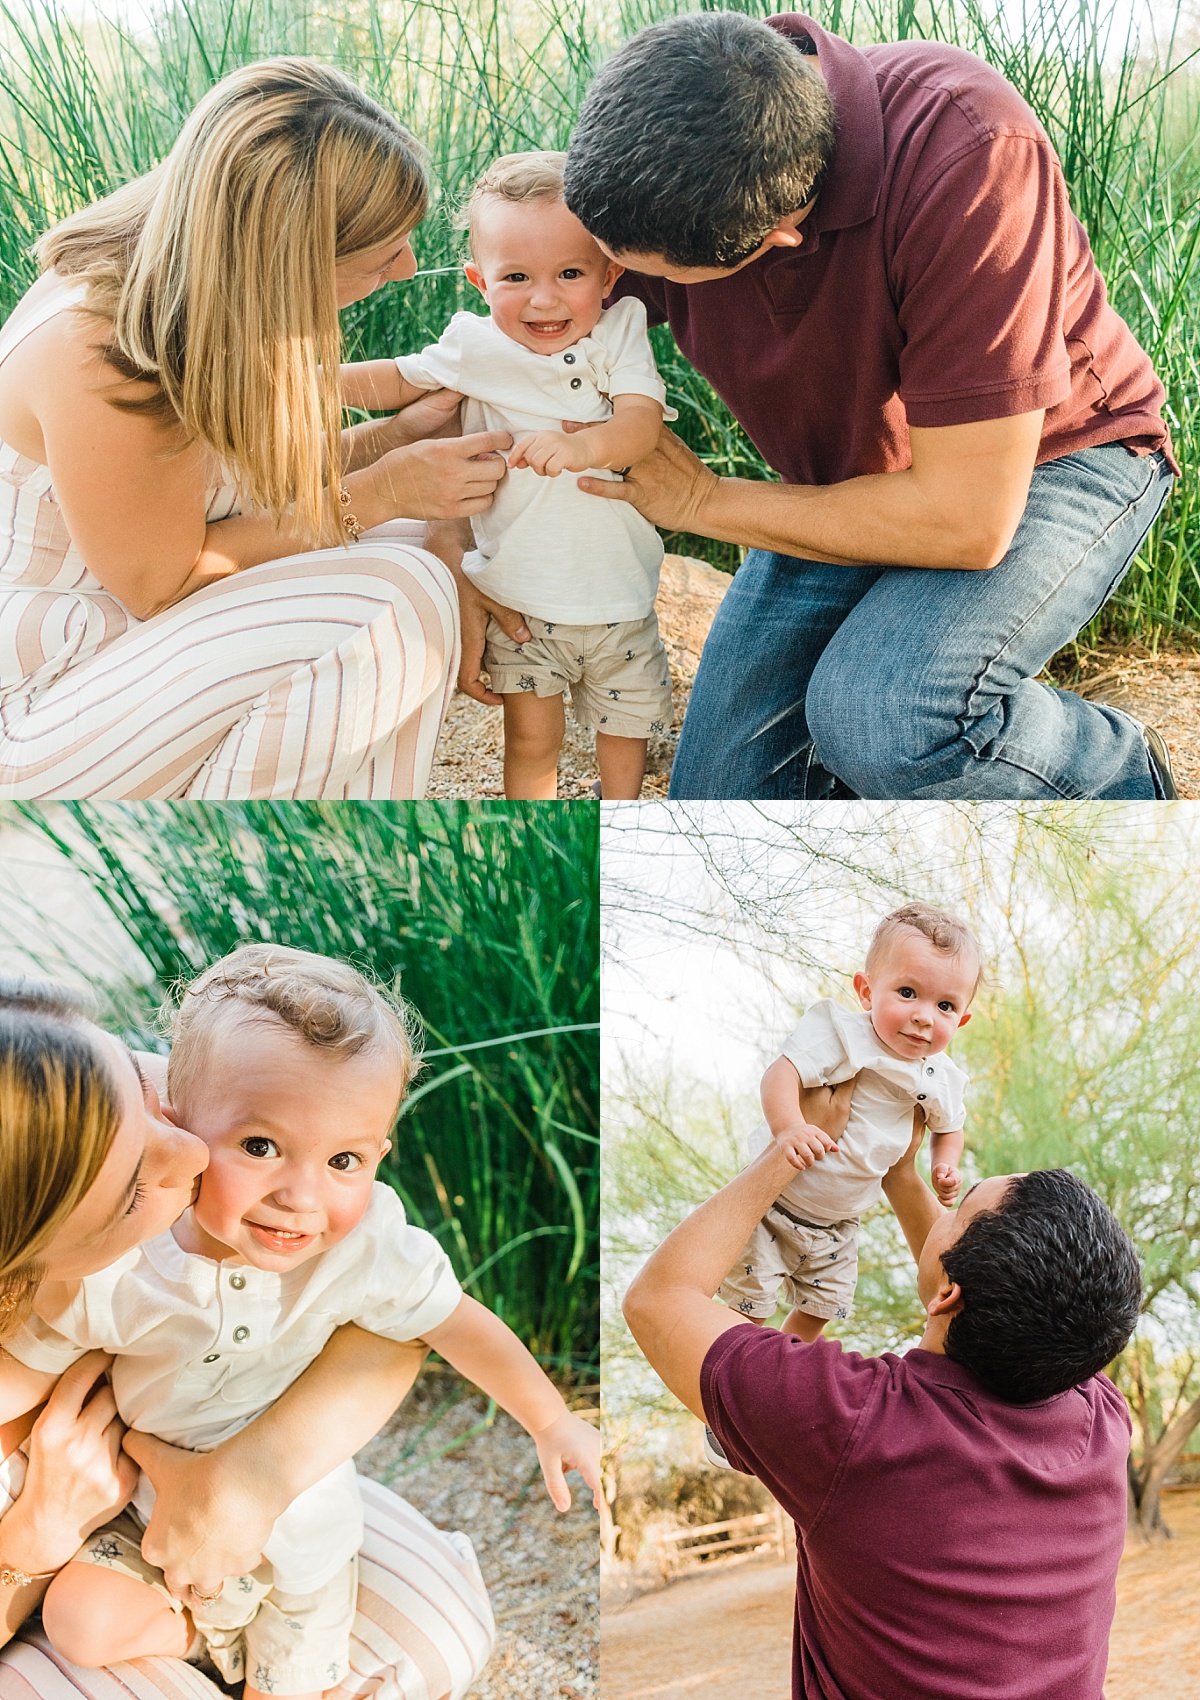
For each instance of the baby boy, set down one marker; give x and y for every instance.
(915, 991)
(583, 572)
(290, 1067)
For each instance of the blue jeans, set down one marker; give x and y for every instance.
(822, 681)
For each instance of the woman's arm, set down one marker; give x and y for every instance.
(133, 493)
(214, 1510)
(78, 1478)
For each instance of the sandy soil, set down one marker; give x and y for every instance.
(541, 1569)
(1162, 689)
(731, 1633)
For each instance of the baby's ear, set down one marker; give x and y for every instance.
(964, 1019)
(615, 270)
(386, 1147)
(475, 276)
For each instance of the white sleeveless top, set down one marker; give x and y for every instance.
(53, 612)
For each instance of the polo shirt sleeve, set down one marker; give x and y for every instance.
(787, 1412)
(438, 366)
(410, 1285)
(815, 1049)
(947, 1111)
(630, 359)
(979, 275)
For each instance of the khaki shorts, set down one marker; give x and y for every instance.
(817, 1268)
(618, 675)
(282, 1643)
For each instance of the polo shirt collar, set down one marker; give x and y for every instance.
(942, 1371)
(852, 189)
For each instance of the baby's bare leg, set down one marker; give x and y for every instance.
(622, 764)
(96, 1617)
(252, 1693)
(533, 735)
(809, 1328)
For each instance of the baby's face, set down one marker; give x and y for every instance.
(294, 1138)
(542, 275)
(917, 996)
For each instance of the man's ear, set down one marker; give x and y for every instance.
(783, 235)
(475, 276)
(948, 1299)
(615, 269)
(964, 1019)
(862, 987)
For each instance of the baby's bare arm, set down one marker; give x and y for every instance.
(780, 1093)
(629, 436)
(945, 1154)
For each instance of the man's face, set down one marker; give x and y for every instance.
(786, 234)
(985, 1195)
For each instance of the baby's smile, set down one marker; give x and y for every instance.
(279, 1239)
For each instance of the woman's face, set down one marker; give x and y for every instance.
(363, 274)
(146, 1183)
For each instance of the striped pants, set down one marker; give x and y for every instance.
(423, 1630)
(321, 675)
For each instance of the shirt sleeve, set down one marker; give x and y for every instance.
(948, 1112)
(785, 1411)
(411, 1285)
(56, 1335)
(815, 1050)
(438, 366)
(979, 272)
(631, 368)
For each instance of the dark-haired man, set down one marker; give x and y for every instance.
(960, 1511)
(871, 256)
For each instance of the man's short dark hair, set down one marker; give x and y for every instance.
(696, 137)
(1051, 1288)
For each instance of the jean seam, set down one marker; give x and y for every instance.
(1119, 519)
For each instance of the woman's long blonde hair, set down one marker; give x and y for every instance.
(216, 271)
(59, 1111)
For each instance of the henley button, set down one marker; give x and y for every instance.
(212, 1357)
(920, 1097)
(576, 383)
(241, 1333)
(237, 1281)
(568, 359)
(929, 1071)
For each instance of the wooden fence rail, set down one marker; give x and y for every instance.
(681, 1551)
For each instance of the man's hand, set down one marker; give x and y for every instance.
(670, 487)
(947, 1182)
(803, 1144)
(199, 1532)
(568, 1443)
(473, 611)
(549, 453)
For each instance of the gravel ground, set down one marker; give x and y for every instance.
(542, 1570)
(1162, 689)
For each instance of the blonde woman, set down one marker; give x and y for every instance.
(188, 607)
(90, 1166)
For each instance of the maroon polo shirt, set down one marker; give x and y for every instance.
(950, 1546)
(942, 279)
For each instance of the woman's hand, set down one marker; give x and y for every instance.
(669, 488)
(473, 611)
(438, 478)
(78, 1475)
(205, 1524)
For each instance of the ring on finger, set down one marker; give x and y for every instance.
(207, 1598)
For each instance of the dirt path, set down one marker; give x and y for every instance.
(1163, 689)
(731, 1634)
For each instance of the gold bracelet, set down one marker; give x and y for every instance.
(11, 1577)
(350, 524)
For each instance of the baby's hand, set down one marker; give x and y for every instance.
(548, 452)
(569, 1443)
(946, 1182)
(803, 1144)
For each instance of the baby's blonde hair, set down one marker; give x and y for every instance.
(327, 1004)
(514, 177)
(214, 274)
(944, 931)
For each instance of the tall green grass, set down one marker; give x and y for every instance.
(84, 107)
(485, 917)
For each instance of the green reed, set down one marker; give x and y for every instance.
(485, 918)
(85, 106)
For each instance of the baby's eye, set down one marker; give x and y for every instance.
(947, 1005)
(345, 1162)
(571, 272)
(515, 277)
(905, 992)
(257, 1146)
